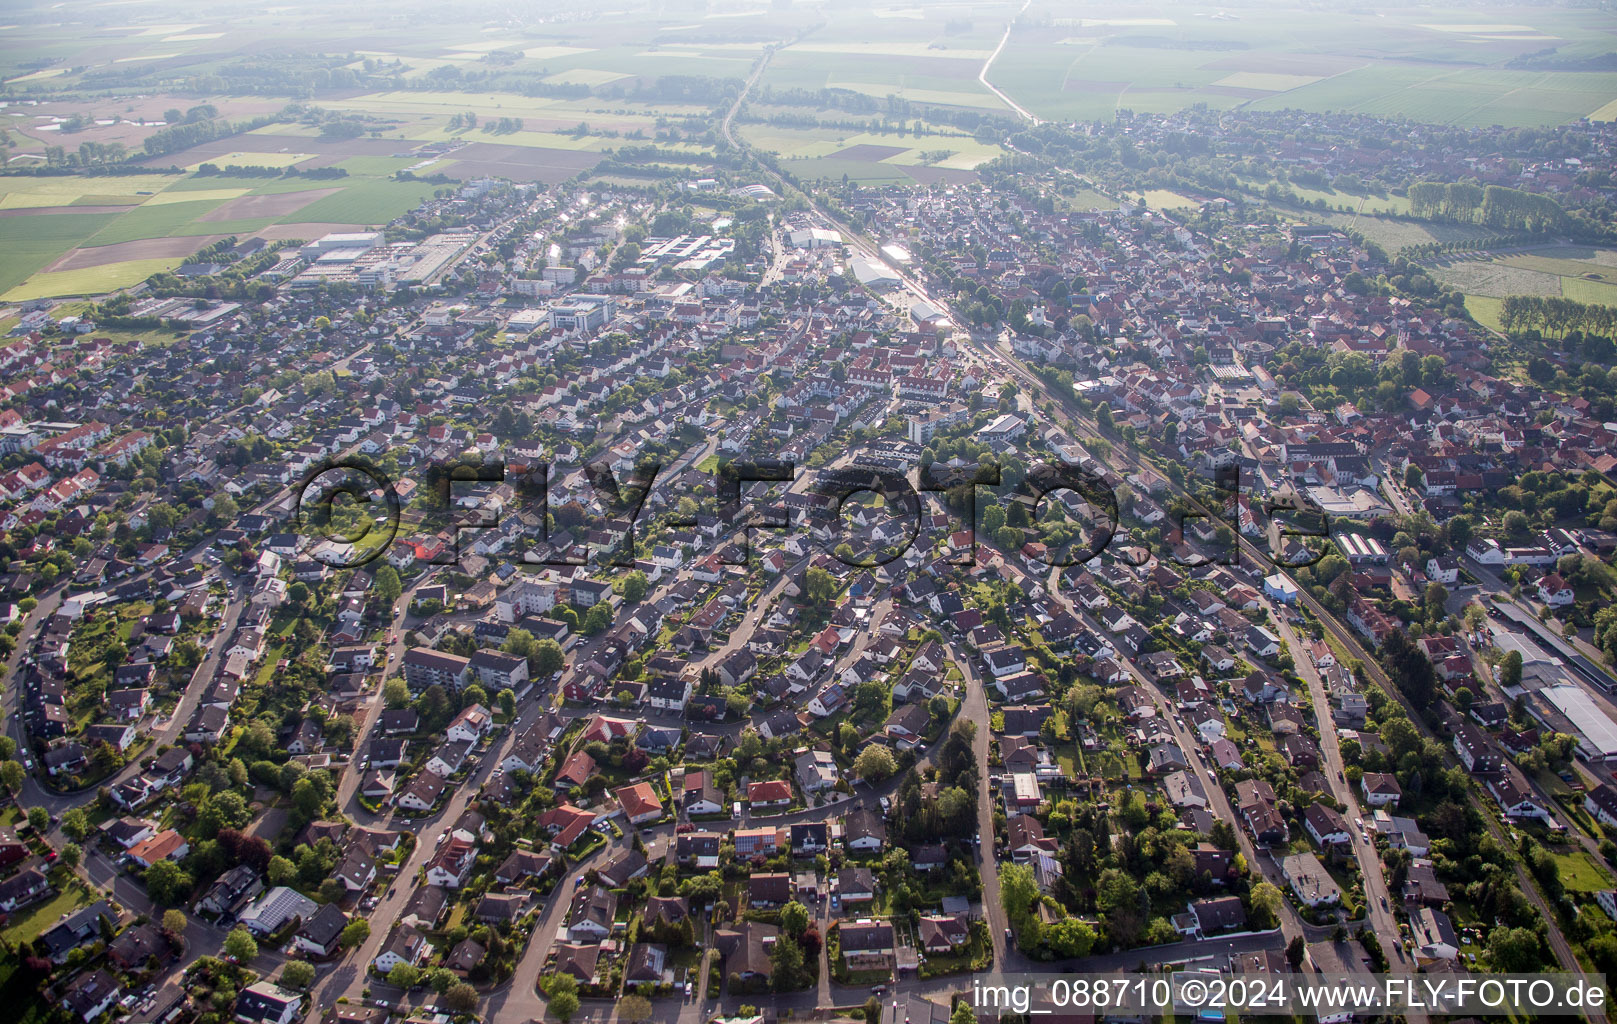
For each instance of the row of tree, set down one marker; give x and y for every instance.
(1555, 315)
(1493, 206)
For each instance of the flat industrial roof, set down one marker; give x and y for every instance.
(1596, 727)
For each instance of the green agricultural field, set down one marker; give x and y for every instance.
(834, 170)
(19, 193)
(87, 281)
(101, 250)
(1583, 290)
(163, 221)
(1426, 63)
(29, 243)
(372, 202)
(1393, 235)
(942, 80)
(1547, 262)
(1487, 277)
(964, 152)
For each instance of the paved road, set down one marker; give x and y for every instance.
(982, 76)
(1379, 900)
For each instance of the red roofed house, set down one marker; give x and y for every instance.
(773, 793)
(640, 803)
(566, 823)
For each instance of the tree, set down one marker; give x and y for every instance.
(963, 1013)
(1516, 523)
(388, 586)
(355, 933)
(787, 960)
(39, 819)
(297, 974)
(564, 1004)
(167, 882)
(634, 590)
(282, 871)
(875, 763)
(1436, 596)
(442, 979)
(636, 1009)
(174, 922)
(1514, 950)
(1070, 937)
(819, 586)
(597, 619)
(69, 856)
(307, 798)
(395, 693)
(547, 658)
(12, 775)
(462, 998)
(404, 976)
(1266, 904)
(76, 824)
(240, 945)
(1017, 894)
(1510, 669)
(1296, 952)
(554, 985)
(794, 918)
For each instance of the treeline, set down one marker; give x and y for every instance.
(1548, 60)
(439, 178)
(1483, 244)
(1552, 314)
(891, 105)
(89, 154)
(184, 136)
(93, 171)
(672, 156)
(1493, 206)
(222, 250)
(633, 170)
(208, 170)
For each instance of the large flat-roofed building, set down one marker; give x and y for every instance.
(583, 312)
(1594, 729)
(362, 241)
(1358, 503)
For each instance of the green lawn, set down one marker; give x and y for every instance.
(1581, 874)
(1486, 310)
(27, 925)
